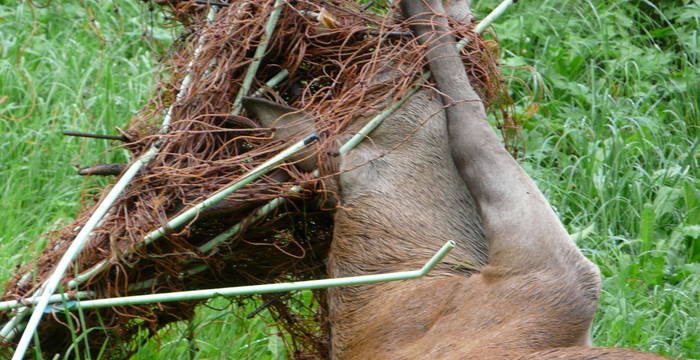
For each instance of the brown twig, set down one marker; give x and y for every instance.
(263, 306)
(122, 137)
(215, 3)
(391, 33)
(103, 169)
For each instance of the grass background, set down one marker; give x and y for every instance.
(613, 144)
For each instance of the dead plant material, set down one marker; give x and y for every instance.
(335, 63)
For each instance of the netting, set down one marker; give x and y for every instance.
(335, 52)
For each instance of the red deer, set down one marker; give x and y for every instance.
(515, 287)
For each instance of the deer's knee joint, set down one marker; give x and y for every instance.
(584, 280)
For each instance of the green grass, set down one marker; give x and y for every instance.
(613, 146)
(82, 80)
(216, 332)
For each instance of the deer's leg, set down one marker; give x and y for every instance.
(523, 230)
(528, 246)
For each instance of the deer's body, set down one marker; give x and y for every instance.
(396, 212)
(515, 287)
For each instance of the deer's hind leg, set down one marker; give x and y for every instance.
(528, 246)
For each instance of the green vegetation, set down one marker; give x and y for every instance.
(613, 145)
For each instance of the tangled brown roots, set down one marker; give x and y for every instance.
(334, 61)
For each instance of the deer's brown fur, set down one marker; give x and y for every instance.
(515, 287)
